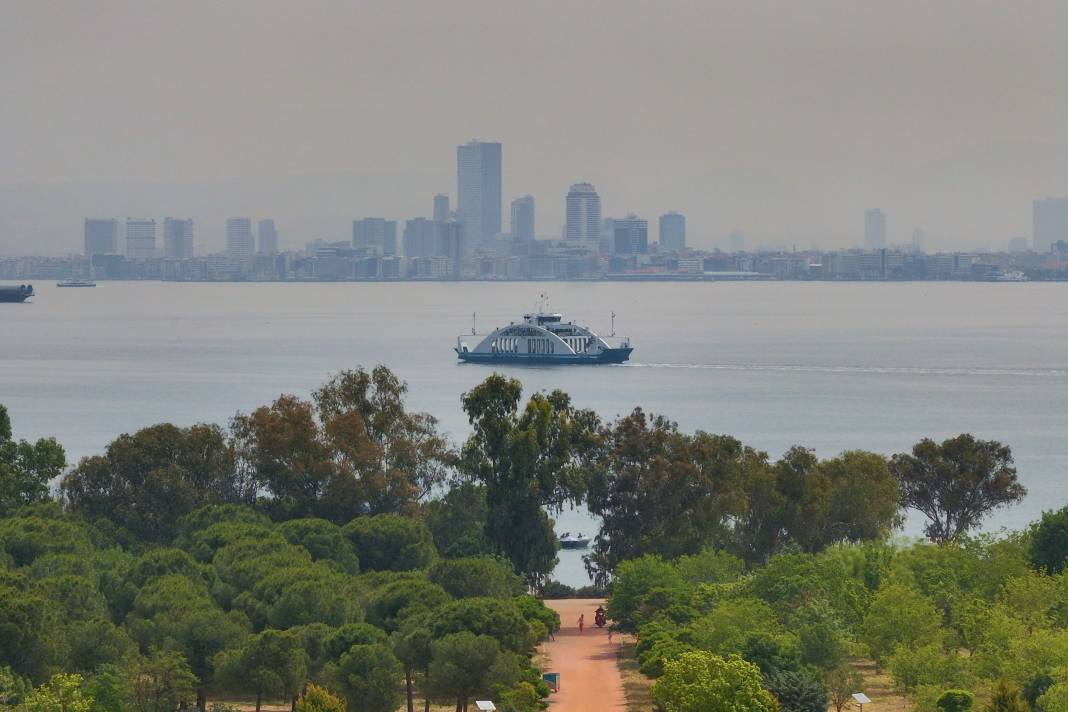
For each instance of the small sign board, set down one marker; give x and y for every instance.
(552, 679)
(485, 705)
(861, 699)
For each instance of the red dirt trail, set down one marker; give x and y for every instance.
(589, 675)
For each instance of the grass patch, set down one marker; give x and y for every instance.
(880, 688)
(636, 687)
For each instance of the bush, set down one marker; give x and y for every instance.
(320, 699)
(955, 701)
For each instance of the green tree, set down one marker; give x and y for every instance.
(528, 460)
(476, 576)
(704, 682)
(799, 691)
(955, 484)
(390, 604)
(1049, 541)
(633, 582)
(955, 701)
(62, 693)
(108, 689)
(499, 619)
(324, 541)
(461, 667)
(26, 468)
(457, 521)
(95, 643)
(367, 676)
(842, 683)
(160, 682)
(898, 616)
(269, 663)
(411, 645)
(320, 699)
(1006, 698)
(1054, 699)
(13, 688)
(391, 542)
(147, 481)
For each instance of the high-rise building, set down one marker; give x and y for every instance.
(377, 233)
(1019, 244)
(441, 208)
(583, 213)
(631, 236)
(874, 229)
(421, 238)
(523, 218)
(451, 244)
(478, 190)
(1049, 223)
(672, 232)
(239, 239)
(736, 241)
(266, 237)
(919, 241)
(177, 238)
(140, 239)
(101, 236)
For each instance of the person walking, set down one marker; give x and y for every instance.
(582, 621)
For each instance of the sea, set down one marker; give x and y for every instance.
(830, 366)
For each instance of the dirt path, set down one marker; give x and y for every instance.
(589, 676)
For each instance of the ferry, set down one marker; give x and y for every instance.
(543, 337)
(16, 293)
(574, 541)
(76, 283)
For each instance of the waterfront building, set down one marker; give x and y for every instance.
(478, 190)
(583, 213)
(101, 236)
(1049, 223)
(177, 238)
(451, 244)
(421, 237)
(266, 237)
(523, 219)
(441, 208)
(672, 232)
(736, 241)
(377, 233)
(239, 247)
(874, 229)
(140, 239)
(631, 236)
(919, 241)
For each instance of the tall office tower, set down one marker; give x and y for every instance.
(672, 232)
(736, 241)
(379, 233)
(101, 236)
(177, 238)
(631, 236)
(420, 237)
(441, 208)
(266, 237)
(478, 190)
(523, 218)
(451, 244)
(1049, 223)
(140, 239)
(919, 241)
(583, 213)
(239, 238)
(874, 229)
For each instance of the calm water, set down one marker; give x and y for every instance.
(830, 366)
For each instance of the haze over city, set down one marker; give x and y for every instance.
(783, 120)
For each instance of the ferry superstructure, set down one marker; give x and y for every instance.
(543, 338)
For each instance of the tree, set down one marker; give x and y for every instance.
(13, 688)
(108, 689)
(319, 699)
(461, 666)
(634, 580)
(147, 481)
(411, 645)
(499, 619)
(397, 600)
(476, 576)
(1049, 542)
(955, 701)
(1006, 698)
(700, 681)
(799, 691)
(62, 693)
(662, 492)
(898, 616)
(367, 676)
(457, 520)
(391, 542)
(1054, 698)
(270, 663)
(842, 682)
(528, 460)
(160, 682)
(324, 541)
(955, 484)
(26, 468)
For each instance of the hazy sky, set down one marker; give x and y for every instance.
(783, 119)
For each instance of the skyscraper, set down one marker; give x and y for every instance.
(736, 241)
(177, 238)
(266, 238)
(140, 239)
(441, 208)
(478, 190)
(583, 213)
(1049, 223)
(672, 232)
(421, 238)
(451, 244)
(919, 241)
(377, 233)
(101, 236)
(631, 236)
(239, 238)
(523, 218)
(874, 229)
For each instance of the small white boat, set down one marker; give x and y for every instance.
(574, 541)
(76, 283)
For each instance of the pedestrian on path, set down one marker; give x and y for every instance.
(582, 621)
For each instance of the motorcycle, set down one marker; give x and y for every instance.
(599, 618)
